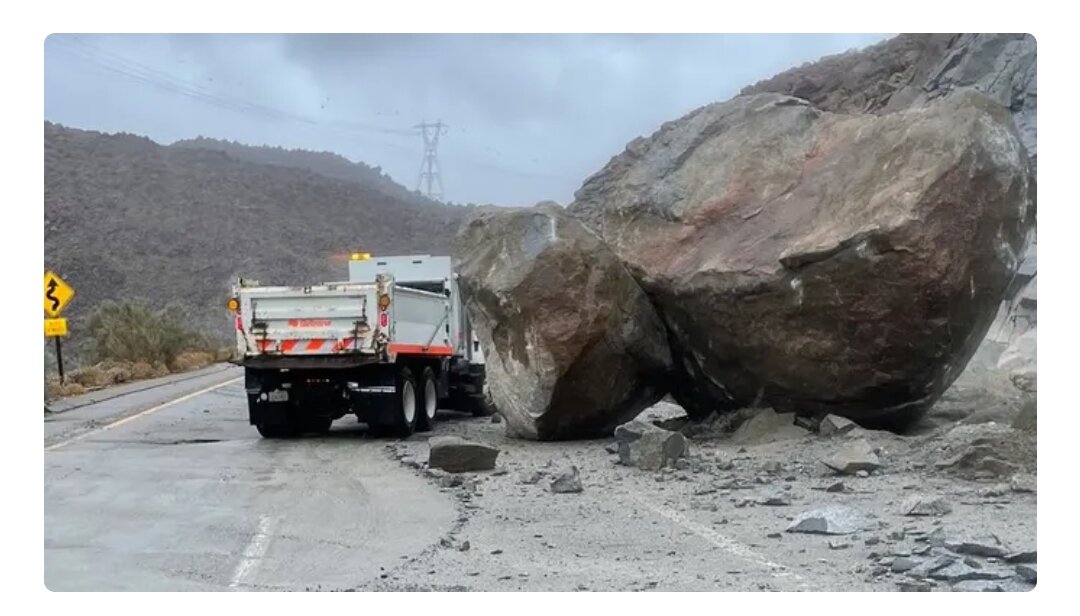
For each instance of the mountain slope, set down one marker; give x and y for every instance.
(323, 163)
(128, 218)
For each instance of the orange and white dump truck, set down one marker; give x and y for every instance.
(391, 345)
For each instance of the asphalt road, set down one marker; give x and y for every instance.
(169, 488)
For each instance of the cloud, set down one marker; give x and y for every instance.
(530, 116)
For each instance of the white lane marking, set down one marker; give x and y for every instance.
(148, 411)
(721, 541)
(254, 552)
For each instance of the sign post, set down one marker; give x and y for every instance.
(57, 295)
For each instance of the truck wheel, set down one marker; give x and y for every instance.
(429, 401)
(482, 405)
(407, 406)
(319, 425)
(273, 430)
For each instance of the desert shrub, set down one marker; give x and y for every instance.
(191, 360)
(91, 377)
(54, 390)
(141, 370)
(132, 332)
(118, 374)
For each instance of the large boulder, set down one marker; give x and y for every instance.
(573, 346)
(819, 262)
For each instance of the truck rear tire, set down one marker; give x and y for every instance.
(482, 405)
(429, 401)
(407, 404)
(273, 430)
(319, 425)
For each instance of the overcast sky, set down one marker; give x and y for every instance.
(530, 116)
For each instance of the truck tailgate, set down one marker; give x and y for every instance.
(319, 320)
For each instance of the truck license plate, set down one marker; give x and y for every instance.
(279, 395)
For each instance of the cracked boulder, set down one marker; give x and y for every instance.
(572, 345)
(820, 262)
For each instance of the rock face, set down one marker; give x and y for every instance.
(457, 455)
(573, 346)
(819, 262)
(648, 447)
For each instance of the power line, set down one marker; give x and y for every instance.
(429, 165)
(430, 171)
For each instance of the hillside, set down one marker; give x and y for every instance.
(323, 163)
(128, 218)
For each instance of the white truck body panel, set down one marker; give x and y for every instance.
(341, 319)
(405, 269)
(428, 271)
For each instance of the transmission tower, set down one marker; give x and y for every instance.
(430, 172)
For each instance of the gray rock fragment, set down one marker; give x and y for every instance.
(450, 481)
(927, 567)
(831, 520)
(1022, 483)
(903, 564)
(988, 545)
(1028, 573)
(835, 487)
(567, 482)
(648, 447)
(531, 478)
(922, 505)
(1027, 557)
(960, 571)
(914, 586)
(978, 586)
(456, 455)
(780, 499)
(853, 457)
(834, 425)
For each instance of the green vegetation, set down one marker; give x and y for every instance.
(128, 341)
(132, 332)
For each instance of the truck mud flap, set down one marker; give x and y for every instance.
(263, 412)
(373, 397)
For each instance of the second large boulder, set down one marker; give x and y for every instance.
(573, 346)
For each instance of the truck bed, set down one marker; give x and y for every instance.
(340, 320)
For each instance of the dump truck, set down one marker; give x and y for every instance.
(391, 345)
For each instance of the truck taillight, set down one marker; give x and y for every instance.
(239, 323)
(233, 304)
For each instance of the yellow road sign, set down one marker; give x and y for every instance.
(57, 294)
(56, 327)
